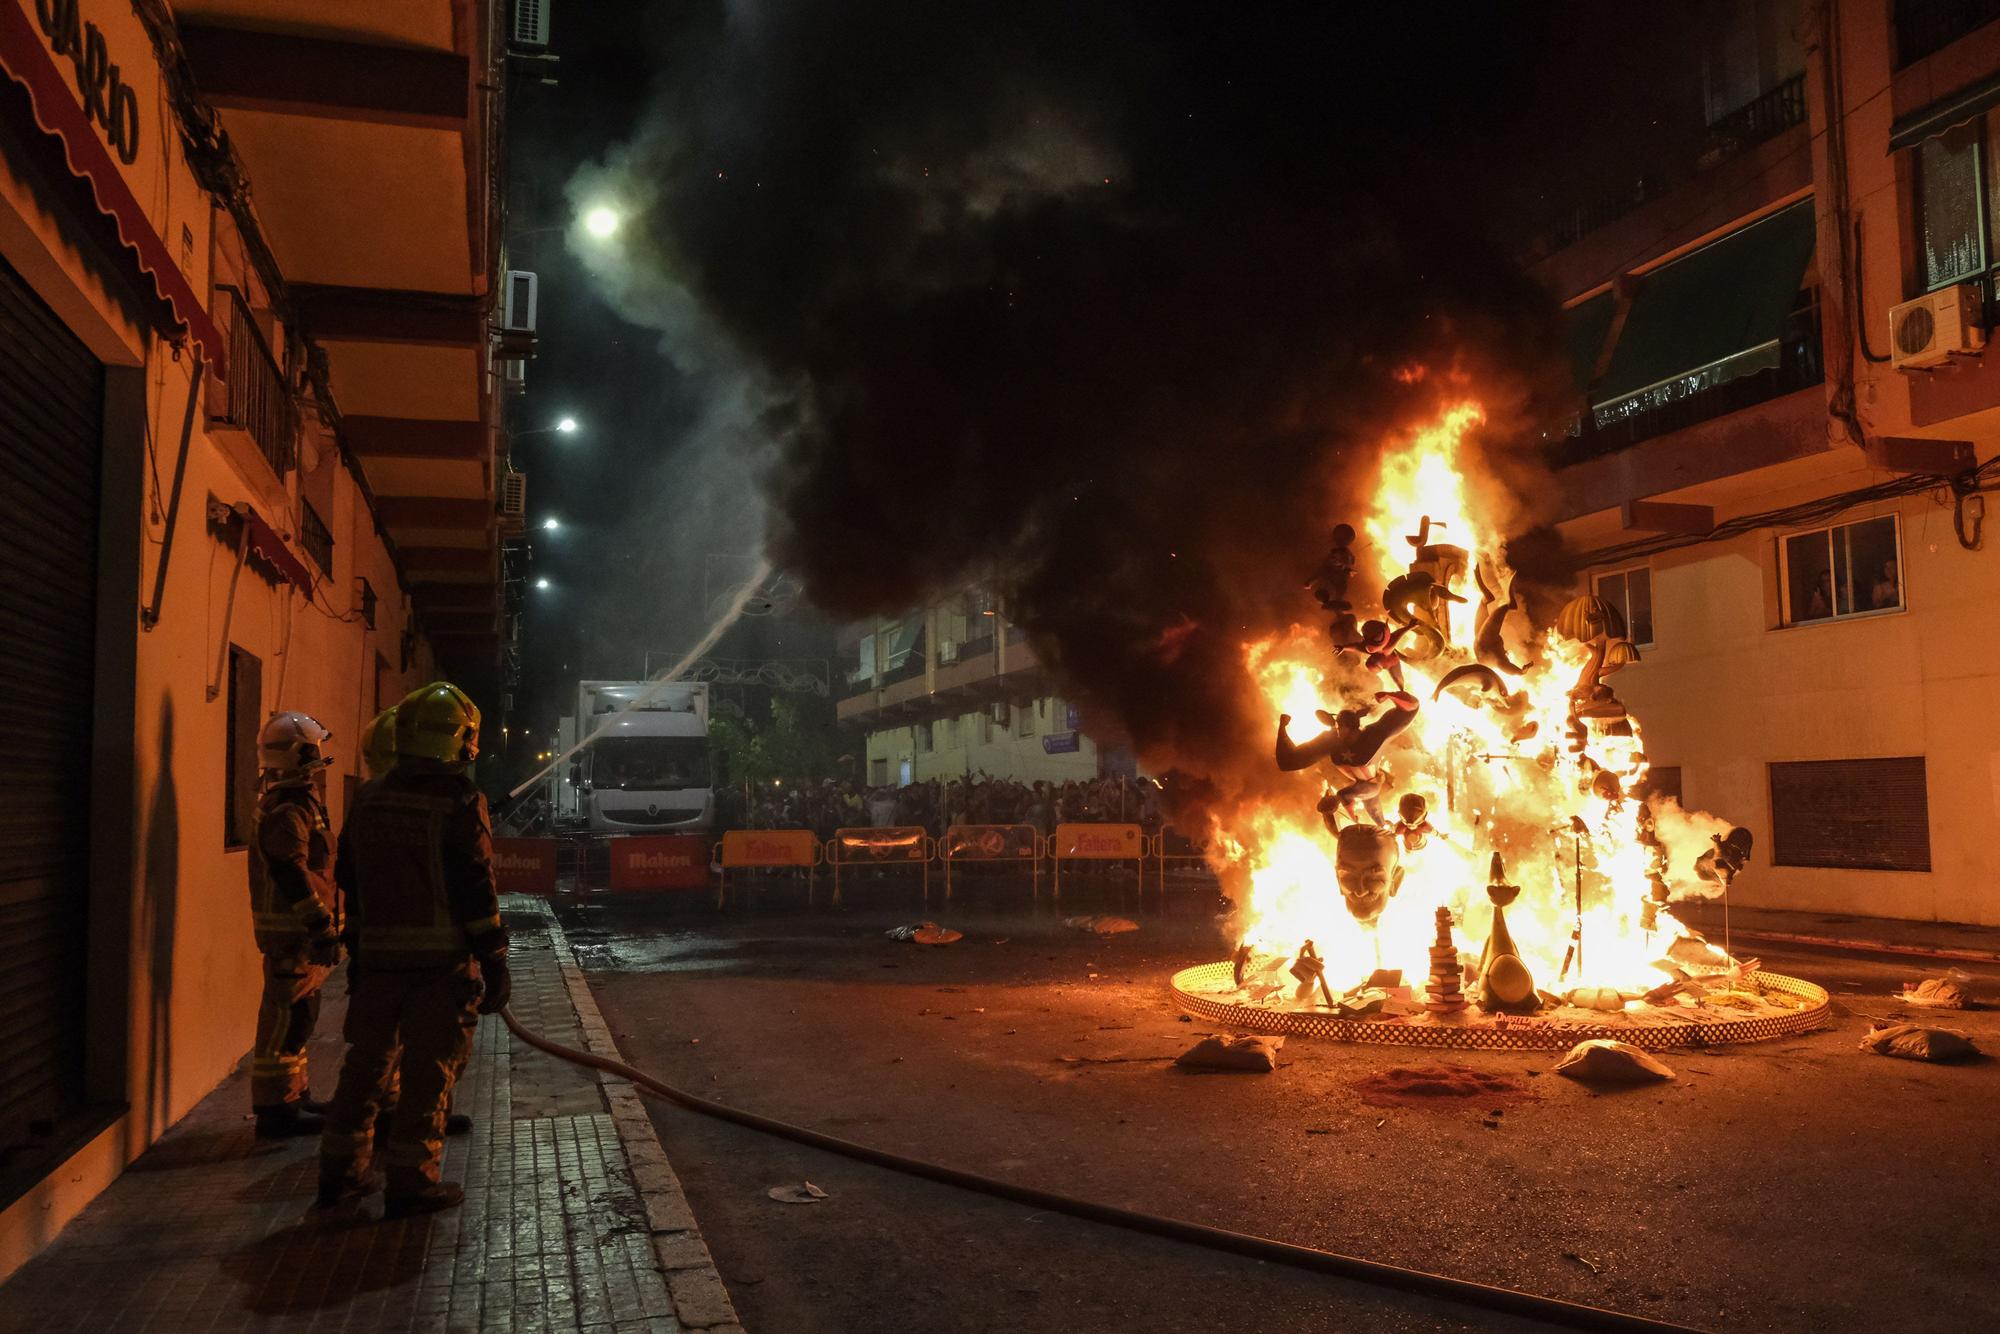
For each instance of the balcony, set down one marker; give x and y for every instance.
(256, 400)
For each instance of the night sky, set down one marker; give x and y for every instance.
(1007, 290)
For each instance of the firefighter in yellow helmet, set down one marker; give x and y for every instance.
(429, 954)
(295, 910)
(378, 743)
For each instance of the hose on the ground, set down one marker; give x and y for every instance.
(1466, 1292)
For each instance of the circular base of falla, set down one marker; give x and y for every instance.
(1768, 1005)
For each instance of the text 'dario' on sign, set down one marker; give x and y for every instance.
(525, 865)
(769, 847)
(1098, 842)
(659, 861)
(901, 843)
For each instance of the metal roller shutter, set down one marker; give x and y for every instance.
(51, 446)
(1870, 815)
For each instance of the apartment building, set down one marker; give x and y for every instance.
(1786, 431)
(248, 461)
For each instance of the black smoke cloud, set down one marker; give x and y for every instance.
(1111, 306)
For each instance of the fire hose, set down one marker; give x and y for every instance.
(1465, 1292)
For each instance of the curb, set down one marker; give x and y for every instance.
(1872, 946)
(701, 1302)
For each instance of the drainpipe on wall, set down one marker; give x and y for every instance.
(1837, 317)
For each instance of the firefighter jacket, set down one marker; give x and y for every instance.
(293, 900)
(416, 867)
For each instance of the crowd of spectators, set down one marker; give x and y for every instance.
(936, 804)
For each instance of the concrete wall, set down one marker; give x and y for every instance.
(1726, 690)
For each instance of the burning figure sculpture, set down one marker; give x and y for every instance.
(1369, 869)
(1349, 748)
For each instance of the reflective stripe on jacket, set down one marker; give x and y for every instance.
(415, 863)
(292, 893)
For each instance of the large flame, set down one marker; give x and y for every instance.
(1573, 845)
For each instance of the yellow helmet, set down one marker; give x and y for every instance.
(378, 743)
(438, 722)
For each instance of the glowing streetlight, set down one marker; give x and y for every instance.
(601, 222)
(549, 525)
(541, 583)
(567, 426)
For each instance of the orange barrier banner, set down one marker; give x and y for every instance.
(769, 847)
(1098, 842)
(659, 861)
(989, 843)
(862, 847)
(525, 865)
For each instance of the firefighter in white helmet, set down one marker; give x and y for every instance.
(295, 908)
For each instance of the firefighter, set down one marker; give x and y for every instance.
(378, 756)
(428, 951)
(295, 911)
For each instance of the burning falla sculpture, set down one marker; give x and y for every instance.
(1471, 672)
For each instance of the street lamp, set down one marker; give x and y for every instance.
(601, 222)
(541, 583)
(549, 525)
(566, 426)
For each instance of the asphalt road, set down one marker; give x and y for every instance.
(1793, 1185)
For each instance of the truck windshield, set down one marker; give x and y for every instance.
(649, 762)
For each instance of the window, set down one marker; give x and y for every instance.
(1958, 189)
(382, 677)
(315, 537)
(1631, 591)
(924, 739)
(245, 707)
(1024, 720)
(951, 733)
(1924, 26)
(878, 772)
(1850, 569)
(1870, 815)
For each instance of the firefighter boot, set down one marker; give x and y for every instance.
(287, 1121)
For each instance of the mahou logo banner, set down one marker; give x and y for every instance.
(525, 865)
(659, 861)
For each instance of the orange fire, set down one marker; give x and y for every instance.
(1502, 779)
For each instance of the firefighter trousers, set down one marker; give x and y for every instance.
(287, 1012)
(410, 1027)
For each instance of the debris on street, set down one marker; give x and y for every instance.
(1414, 1085)
(805, 1192)
(1608, 1061)
(925, 933)
(1242, 1055)
(1101, 924)
(1938, 993)
(1914, 1042)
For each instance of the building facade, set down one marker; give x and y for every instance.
(952, 689)
(248, 462)
(1789, 425)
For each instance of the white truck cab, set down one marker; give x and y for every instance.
(648, 767)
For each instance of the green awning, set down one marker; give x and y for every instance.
(1584, 326)
(1944, 114)
(1722, 301)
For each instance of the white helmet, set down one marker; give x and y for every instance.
(290, 748)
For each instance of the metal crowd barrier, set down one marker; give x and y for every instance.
(883, 847)
(993, 843)
(1098, 843)
(767, 850)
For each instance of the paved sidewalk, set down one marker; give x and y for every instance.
(573, 1220)
(1893, 935)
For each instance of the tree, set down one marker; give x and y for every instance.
(780, 747)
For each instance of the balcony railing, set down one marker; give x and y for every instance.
(1763, 117)
(258, 402)
(316, 538)
(1924, 26)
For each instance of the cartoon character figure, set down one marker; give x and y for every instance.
(1368, 869)
(1349, 747)
(1329, 585)
(1377, 647)
(1413, 824)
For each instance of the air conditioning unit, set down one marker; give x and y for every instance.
(517, 305)
(514, 496)
(1930, 329)
(947, 651)
(531, 25)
